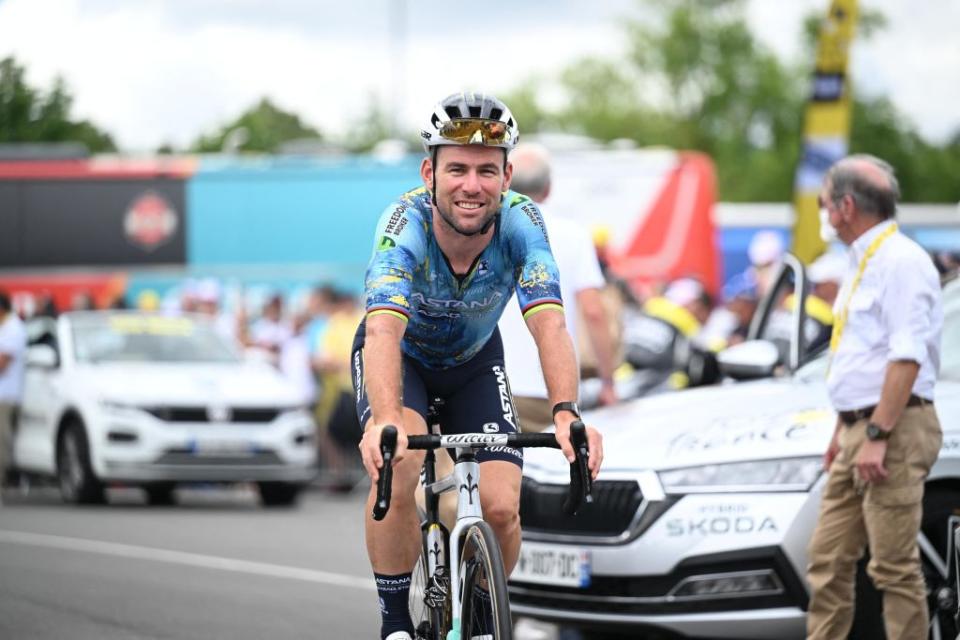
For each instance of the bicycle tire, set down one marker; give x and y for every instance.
(481, 564)
(430, 624)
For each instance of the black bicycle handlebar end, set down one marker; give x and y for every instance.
(580, 481)
(388, 449)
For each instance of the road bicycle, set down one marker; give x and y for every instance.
(467, 598)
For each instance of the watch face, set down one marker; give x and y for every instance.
(876, 433)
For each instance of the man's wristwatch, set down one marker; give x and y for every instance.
(566, 406)
(876, 432)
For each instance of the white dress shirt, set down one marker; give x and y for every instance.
(895, 314)
(576, 259)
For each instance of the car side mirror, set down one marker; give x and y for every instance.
(749, 360)
(42, 356)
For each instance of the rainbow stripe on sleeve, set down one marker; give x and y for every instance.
(398, 312)
(539, 305)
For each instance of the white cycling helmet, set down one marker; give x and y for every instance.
(470, 118)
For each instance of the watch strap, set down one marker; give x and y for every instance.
(566, 406)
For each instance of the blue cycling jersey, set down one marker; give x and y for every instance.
(450, 318)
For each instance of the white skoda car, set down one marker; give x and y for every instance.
(152, 401)
(706, 504)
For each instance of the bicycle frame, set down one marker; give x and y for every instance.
(464, 478)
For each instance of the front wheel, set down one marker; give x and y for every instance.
(78, 483)
(485, 608)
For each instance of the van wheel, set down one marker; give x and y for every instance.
(278, 494)
(78, 483)
(939, 504)
(160, 493)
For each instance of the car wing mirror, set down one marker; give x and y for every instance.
(42, 356)
(749, 360)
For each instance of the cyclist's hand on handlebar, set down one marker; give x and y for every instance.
(370, 449)
(594, 442)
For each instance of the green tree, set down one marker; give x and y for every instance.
(32, 115)
(370, 128)
(263, 127)
(695, 77)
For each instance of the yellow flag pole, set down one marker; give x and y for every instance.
(826, 124)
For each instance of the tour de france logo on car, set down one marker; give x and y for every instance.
(150, 221)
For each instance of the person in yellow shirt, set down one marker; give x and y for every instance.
(339, 430)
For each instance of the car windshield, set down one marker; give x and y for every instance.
(145, 338)
(949, 344)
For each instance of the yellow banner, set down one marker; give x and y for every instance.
(826, 124)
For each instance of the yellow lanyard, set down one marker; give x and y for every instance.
(841, 319)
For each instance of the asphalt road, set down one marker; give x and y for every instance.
(217, 565)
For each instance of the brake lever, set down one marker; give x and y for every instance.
(388, 449)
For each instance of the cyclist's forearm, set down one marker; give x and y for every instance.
(557, 357)
(382, 368)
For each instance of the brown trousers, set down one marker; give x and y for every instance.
(885, 516)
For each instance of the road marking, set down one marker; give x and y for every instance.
(184, 558)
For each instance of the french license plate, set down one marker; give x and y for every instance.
(214, 448)
(551, 564)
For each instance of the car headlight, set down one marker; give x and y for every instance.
(783, 474)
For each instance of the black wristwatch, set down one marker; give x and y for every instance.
(876, 432)
(566, 406)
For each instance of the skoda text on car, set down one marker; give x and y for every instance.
(152, 401)
(706, 504)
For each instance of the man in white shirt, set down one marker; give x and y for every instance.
(13, 347)
(885, 354)
(580, 280)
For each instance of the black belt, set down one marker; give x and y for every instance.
(853, 415)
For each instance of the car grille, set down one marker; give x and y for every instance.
(186, 458)
(633, 595)
(615, 503)
(200, 414)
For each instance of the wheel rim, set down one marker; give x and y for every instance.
(936, 573)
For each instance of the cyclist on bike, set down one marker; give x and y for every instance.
(447, 257)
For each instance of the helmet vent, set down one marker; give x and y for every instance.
(495, 113)
(452, 111)
(475, 112)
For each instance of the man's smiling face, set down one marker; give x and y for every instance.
(469, 181)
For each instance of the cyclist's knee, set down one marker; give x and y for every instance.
(406, 473)
(503, 515)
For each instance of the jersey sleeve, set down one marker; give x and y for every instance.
(399, 250)
(537, 275)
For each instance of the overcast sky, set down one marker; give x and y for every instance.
(154, 72)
